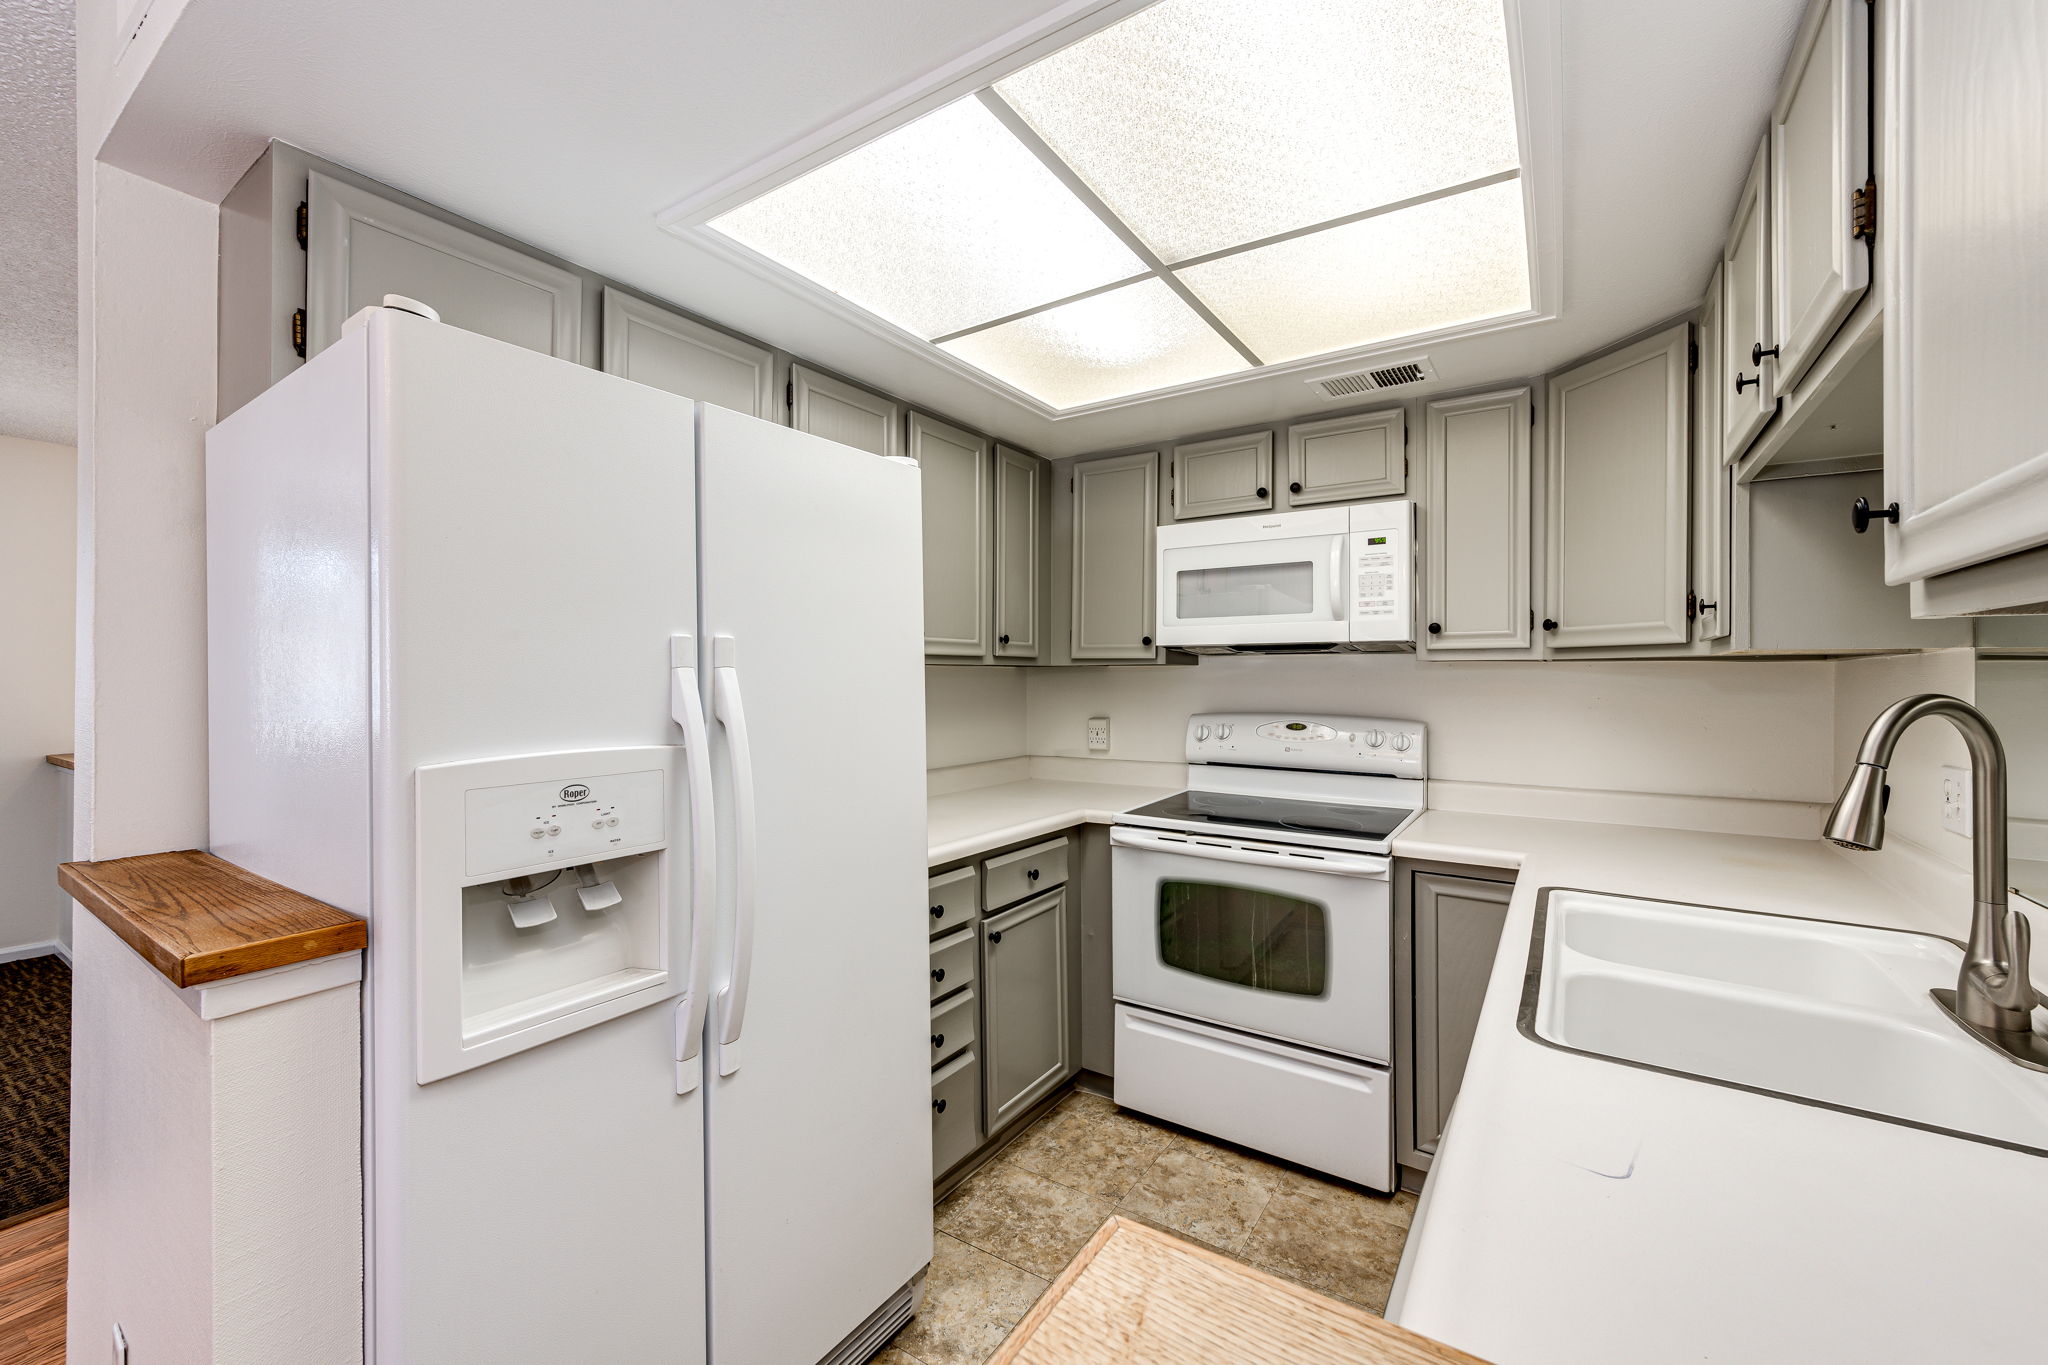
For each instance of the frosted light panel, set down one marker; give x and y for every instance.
(1126, 341)
(1207, 124)
(942, 224)
(1440, 264)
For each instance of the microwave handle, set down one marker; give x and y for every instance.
(1340, 606)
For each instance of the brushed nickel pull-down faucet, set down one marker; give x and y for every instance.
(1994, 996)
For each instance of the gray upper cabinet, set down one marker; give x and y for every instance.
(1712, 514)
(1619, 497)
(1115, 511)
(1020, 532)
(838, 411)
(651, 345)
(1820, 164)
(1748, 366)
(1458, 923)
(958, 536)
(1026, 1000)
(360, 247)
(1231, 474)
(1343, 459)
(1476, 522)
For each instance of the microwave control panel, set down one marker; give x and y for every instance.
(1382, 552)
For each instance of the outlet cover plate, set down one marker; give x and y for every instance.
(1098, 734)
(1955, 800)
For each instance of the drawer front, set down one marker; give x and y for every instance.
(953, 1023)
(955, 899)
(953, 961)
(1026, 872)
(956, 1111)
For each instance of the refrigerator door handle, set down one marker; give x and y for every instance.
(731, 712)
(686, 707)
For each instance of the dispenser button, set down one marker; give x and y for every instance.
(537, 833)
(597, 824)
(553, 830)
(613, 822)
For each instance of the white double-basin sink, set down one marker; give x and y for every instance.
(1808, 1010)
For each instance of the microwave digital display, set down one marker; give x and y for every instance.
(1375, 540)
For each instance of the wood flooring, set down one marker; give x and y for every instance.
(32, 1289)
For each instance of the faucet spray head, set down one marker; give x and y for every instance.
(1857, 821)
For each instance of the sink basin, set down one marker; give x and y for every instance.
(1831, 1014)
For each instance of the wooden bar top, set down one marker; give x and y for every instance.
(198, 919)
(1138, 1296)
(61, 761)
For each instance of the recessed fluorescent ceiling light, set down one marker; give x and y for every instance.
(1203, 188)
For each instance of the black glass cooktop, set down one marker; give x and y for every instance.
(1228, 809)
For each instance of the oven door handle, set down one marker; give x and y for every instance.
(1370, 866)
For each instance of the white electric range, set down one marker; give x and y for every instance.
(1253, 944)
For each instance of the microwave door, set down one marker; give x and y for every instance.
(1254, 592)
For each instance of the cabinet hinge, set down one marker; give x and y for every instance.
(299, 333)
(300, 229)
(1692, 355)
(1863, 212)
(1404, 466)
(789, 394)
(1692, 606)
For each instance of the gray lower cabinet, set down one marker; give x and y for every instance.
(1114, 517)
(1025, 993)
(1455, 930)
(956, 1111)
(958, 536)
(652, 345)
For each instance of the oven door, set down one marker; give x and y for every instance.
(1286, 589)
(1292, 943)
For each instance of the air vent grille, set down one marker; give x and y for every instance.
(1415, 371)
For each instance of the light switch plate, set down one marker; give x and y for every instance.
(1955, 800)
(1098, 734)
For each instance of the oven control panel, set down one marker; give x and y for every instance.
(1310, 741)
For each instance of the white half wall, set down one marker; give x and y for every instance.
(38, 514)
(1743, 729)
(973, 715)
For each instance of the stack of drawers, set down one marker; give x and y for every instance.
(956, 1069)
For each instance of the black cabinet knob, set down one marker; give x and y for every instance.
(1757, 354)
(1147, 641)
(1549, 624)
(938, 1040)
(938, 1106)
(938, 912)
(938, 973)
(1002, 639)
(1861, 515)
(996, 936)
(1264, 493)
(1435, 628)
(1743, 381)
(1031, 874)
(1294, 488)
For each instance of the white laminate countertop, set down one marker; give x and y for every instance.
(962, 824)
(1582, 1212)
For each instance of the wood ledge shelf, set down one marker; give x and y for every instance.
(198, 919)
(61, 761)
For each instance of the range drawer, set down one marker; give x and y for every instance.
(953, 1024)
(956, 1111)
(955, 899)
(953, 961)
(1026, 872)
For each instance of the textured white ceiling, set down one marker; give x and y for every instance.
(571, 126)
(38, 218)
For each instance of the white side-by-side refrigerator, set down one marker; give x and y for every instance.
(606, 708)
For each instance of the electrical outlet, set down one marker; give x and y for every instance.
(1955, 800)
(1098, 735)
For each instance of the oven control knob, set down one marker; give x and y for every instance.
(1375, 738)
(1201, 733)
(1223, 732)
(1401, 743)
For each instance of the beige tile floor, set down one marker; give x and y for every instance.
(1013, 1226)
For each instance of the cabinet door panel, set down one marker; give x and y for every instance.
(1232, 474)
(1619, 497)
(957, 536)
(1966, 436)
(1116, 505)
(1476, 522)
(1820, 157)
(1746, 316)
(1712, 514)
(1458, 922)
(1020, 482)
(1344, 459)
(651, 345)
(823, 406)
(1024, 994)
(360, 247)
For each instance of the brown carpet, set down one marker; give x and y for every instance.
(35, 1084)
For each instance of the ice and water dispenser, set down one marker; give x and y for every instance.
(543, 903)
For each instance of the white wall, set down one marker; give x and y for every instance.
(2014, 693)
(1759, 730)
(38, 502)
(1864, 687)
(972, 715)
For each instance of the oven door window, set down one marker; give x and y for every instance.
(1256, 939)
(1245, 592)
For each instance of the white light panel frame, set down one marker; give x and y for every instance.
(1535, 65)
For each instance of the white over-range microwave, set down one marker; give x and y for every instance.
(1336, 579)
